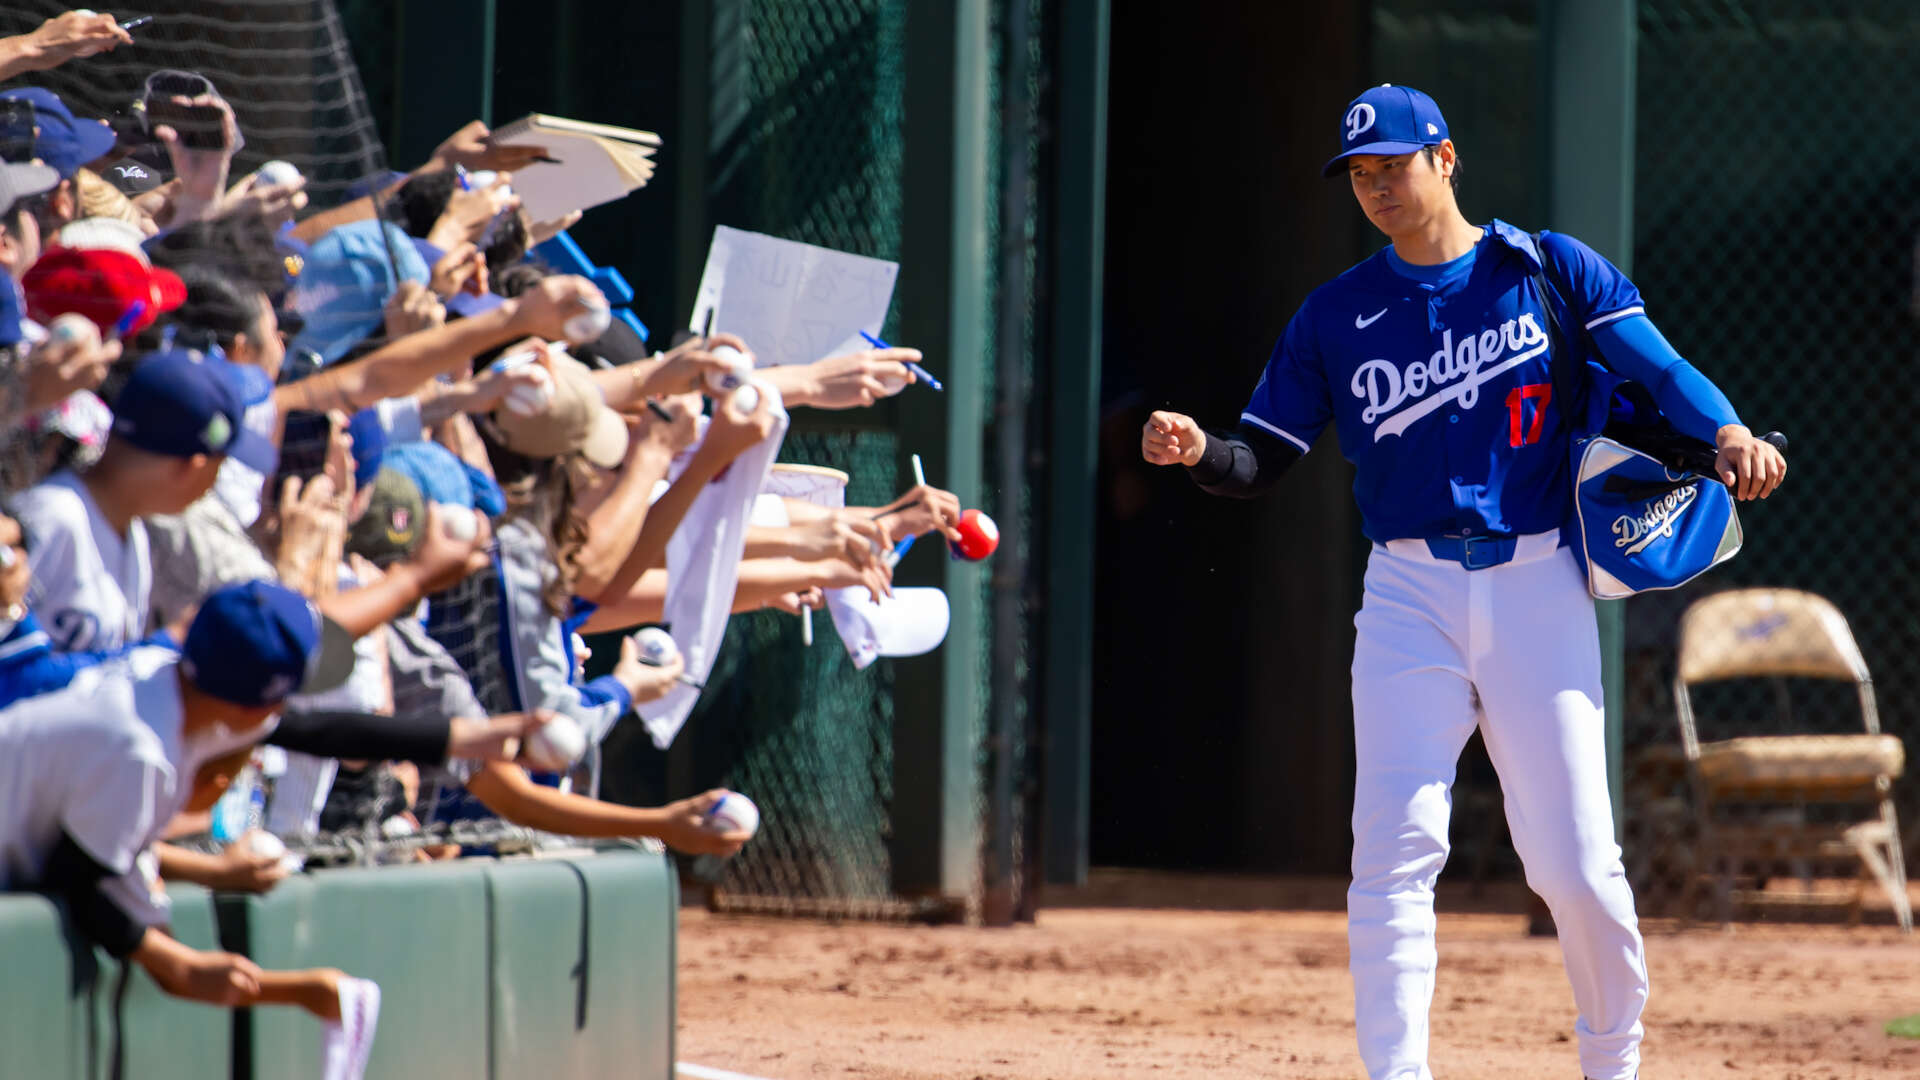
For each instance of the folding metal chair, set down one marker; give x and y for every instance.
(1752, 794)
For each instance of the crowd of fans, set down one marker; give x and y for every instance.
(306, 510)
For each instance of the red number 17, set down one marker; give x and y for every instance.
(1516, 401)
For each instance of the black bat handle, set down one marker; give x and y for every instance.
(1776, 440)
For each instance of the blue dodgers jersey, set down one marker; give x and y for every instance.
(1442, 394)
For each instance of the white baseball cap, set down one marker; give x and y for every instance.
(910, 622)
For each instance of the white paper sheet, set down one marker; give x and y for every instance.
(792, 303)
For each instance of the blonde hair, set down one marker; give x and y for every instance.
(101, 199)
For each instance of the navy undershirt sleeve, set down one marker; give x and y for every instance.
(1635, 348)
(343, 733)
(75, 876)
(1242, 463)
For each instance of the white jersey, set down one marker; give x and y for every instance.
(90, 585)
(101, 761)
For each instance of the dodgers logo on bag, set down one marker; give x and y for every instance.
(1643, 526)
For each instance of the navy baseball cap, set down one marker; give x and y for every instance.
(258, 642)
(182, 402)
(65, 141)
(1388, 119)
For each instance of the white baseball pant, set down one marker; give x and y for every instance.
(1515, 649)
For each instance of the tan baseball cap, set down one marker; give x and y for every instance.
(576, 417)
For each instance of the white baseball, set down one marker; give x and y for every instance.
(733, 813)
(531, 399)
(279, 172)
(589, 324)
(265, 843)
(746, 399)
(557, 745)
(74, 327)
(655, 646)
(458, 521)
(739, 369)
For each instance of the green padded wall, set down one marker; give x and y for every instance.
(419, 931)
(535, 969)
(157, 1036)
(46, 991)
(583, 967)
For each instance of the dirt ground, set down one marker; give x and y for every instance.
(1178, 978)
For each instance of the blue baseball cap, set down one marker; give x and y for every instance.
(1388, 119)
(369, 443)
(345, 282)
(182, 402)
(12, 312)
(65, 141)
(258, 642)
(443, 478)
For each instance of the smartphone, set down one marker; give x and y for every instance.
(16, 118)
(201, 127)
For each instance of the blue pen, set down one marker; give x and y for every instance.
(919, 372)
(899, 550)
(132, 315)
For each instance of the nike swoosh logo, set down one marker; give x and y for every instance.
(1361, 324)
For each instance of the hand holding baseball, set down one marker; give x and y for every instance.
(646, 682)
(684, 827)
(544, 310)
(1172, 438)
(448, 553)
(687, 366)
(733, 429)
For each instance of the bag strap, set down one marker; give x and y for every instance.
(1570, 382)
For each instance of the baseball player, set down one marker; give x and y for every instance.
(1431, 360)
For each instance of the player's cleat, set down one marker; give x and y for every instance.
(345, 1045)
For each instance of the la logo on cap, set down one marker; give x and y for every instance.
(1359, 119)
(218, 433)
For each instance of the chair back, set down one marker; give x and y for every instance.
(1767, 632)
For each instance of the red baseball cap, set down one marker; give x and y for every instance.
(102, 284)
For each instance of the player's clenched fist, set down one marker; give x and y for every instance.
(1172, 438)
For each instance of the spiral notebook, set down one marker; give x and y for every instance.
(598, 163)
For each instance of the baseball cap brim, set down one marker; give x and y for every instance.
(332, 663)
(606, 442)
(467, 305)
(95, 140)
(1381, 148)
(253, 444)
(462, 303)
(27, 179)
(169, 292)
(911, 622)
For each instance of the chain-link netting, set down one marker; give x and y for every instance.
(808, 111)
(809, 139)
(1789, 280)
(283, 65)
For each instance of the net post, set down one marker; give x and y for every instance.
(942, 303)
(1588, 55)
